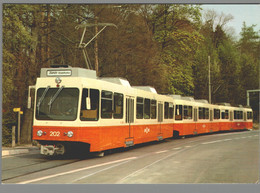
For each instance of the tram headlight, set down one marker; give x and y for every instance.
(39, 133)
(58, 80)
(70, 134)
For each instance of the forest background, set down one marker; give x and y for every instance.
(165, 46)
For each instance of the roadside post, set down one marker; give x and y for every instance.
(13, 136)
(19, 123)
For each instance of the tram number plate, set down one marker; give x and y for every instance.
(54, 133)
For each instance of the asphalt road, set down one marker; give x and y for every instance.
(218, 158)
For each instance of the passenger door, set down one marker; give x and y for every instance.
(195, 131)
(160, 116)
(129, 119)
(211, 120)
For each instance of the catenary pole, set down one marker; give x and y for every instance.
(209, 81)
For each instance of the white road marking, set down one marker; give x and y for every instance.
(98, 171)
(118, 182)
(162, 151)
(226, 139)
(211, 142)
(177, 148)
(240, 133)
(19, 155)
(14, 152)
(77, 170)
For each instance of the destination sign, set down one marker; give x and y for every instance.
(58, 72)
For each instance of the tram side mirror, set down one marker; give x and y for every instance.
(29, 103)
(88, 103)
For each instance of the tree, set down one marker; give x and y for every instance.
(175, 29)
(249, 47)
(249, 41)
(16, 46)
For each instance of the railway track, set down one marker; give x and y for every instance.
(33, 163)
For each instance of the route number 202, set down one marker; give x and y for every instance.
(54, 133)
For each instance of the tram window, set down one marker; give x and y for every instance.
(178, 112)
(203, 113)
(187, 112)
(139, 108)
(238, 114)
(93, 113)
(57, 103)
(224, 114)
(216, 114)
(147, 108)
(171, 109)
(241, 115)
(206, 113)
(249, 115)
(106, 104)
(118, 106)
(166, 110)
(153, 109)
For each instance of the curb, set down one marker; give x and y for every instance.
(14, 152)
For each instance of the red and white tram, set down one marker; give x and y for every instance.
(75, 110)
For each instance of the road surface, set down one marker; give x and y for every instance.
(217, 158)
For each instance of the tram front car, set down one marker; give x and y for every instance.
(57, 108)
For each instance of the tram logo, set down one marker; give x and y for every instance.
(146, 130)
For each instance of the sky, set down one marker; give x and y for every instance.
(250, 13)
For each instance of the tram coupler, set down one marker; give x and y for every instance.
(51, 150)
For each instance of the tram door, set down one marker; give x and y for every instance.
(160, 115)
(195, 131)
(129, 118)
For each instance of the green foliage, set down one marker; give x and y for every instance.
(6, 135)
(175, 29)
(249, 42)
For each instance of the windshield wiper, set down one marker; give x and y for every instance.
(54, 97)
(42, 97)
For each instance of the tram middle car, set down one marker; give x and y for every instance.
(75, 110)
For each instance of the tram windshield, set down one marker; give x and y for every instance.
(57, 103)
